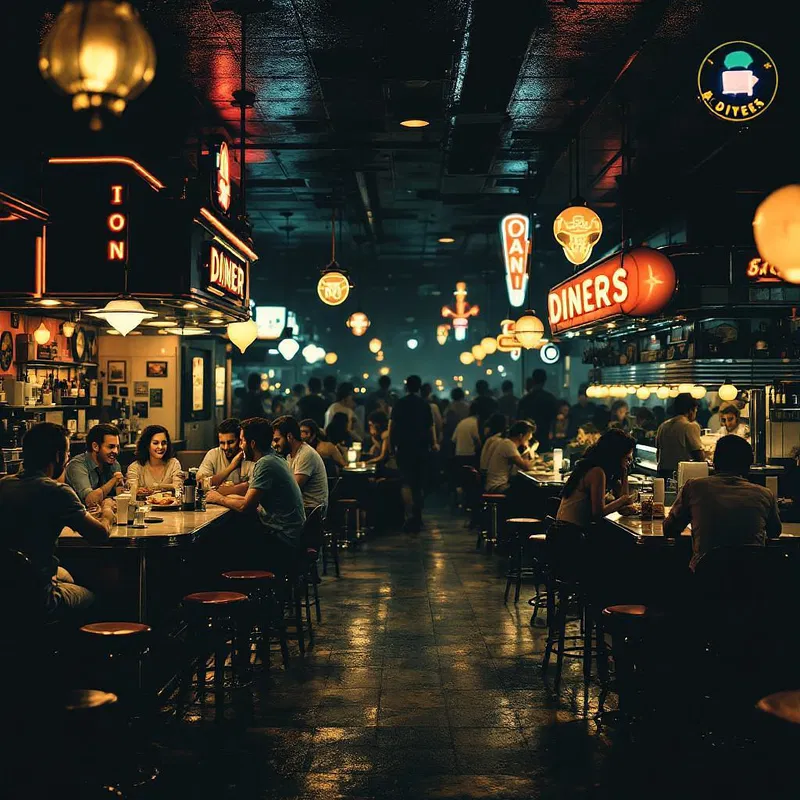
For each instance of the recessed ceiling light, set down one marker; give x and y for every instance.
(160, 323)
(415, 123)
(446, 240)
(49, 302)
(190, 306)
(187, 330)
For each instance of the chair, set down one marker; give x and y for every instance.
(471, 483)
(330, 544)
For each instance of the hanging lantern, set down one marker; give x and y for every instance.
(98, 52)
(776, 228)
(617, 391)
(662, 393)
(379, 355)
(727, 391)
(489, 344)
(577, 229)
(68, 328)
(288, 348)
(685, 388)
(478, 352)
(461, 312)
(673, 391)
(124, 314)
(358, 322)
(591, 391)
(243, 334)
(698, 392)
(42, 334)
(331, 359)
(643, 392)
(375, 345)
(630, 390)
(466, 358)
(529, 330)
(442, 332)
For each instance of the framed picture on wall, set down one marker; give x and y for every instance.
(140, 409)
(157, 369)
(157, 398)
(123, 391)
(141, 389)
(111, 390)
(117, 372)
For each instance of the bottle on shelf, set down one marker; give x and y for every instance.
(2, 391)
(82, 389)
(47, 391)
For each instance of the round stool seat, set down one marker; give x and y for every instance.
(83, 699)
(538, 537)
(489, 497)
(215, 598)
(784, 705)
(523, 521)
(115, 628)
(348, 501)
(625, 611)
(249, 575)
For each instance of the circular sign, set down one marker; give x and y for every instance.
(333, 288)
(737, 81)
(550, 353)
(577, 229)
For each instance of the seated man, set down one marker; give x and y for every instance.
(96, 474)
(725, 509)
(505, 459)
(226, 465)
(304, 461)
(273, 494)
(35, 508)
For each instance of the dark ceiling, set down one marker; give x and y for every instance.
(523, 98)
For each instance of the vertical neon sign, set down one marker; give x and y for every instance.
(515, 235)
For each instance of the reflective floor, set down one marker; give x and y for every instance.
(422, 683)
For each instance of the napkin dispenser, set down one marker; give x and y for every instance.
(691, 469)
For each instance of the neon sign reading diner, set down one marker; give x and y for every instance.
(226, 274)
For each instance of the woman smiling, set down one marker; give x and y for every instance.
(155, 466)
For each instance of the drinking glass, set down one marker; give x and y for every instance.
(646, 499)
(140, 514)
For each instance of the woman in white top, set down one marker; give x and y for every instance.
(155, 467)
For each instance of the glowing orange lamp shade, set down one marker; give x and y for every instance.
(333, 288)
(776, 228)
(375, 345)
(358, 322)
(577, 229)
(529, 330)
(442, 332)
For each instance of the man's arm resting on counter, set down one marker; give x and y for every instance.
(774, 526)
(93, 529)
(239, 488)
(96, 496)
(239, 503)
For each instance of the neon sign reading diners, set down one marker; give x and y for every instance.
(637, 283)
(515, 235)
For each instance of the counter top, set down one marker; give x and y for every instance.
(652, 531)
(178, 527)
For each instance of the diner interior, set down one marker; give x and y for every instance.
(400, 400)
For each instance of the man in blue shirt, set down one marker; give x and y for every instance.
(96, 474)
(273, 493)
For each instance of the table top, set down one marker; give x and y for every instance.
(542, 476)
(652, 531)
(178, 527)
(367, 469)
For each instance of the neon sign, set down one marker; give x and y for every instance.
(333, 288)
(760, 271)
(737, 81)
(221, 177)
(227, 274)
(577, 229)
(515, 235)
(117, 224)
(461, 312)
(507, 342)
(636, 284)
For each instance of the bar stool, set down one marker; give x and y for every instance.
(216, 625)
(330, 545)
(312, 556)
(296, 596)
(492, 503)
(626, 626)
(266, 611)
(538, 542)
(350, 505)
(522, 528)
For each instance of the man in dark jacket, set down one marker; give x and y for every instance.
(540, 406)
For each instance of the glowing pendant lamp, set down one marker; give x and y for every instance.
(243, 334)
(466, 358)
(123, 314)
(288, 348)
(489, 344)
(727, 391)
(358, 322)
(42, 334)
(776, 229)
(375, 345)
(68, 328)
(529, 330)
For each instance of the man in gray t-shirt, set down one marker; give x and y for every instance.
(678, 439)
(304, 461)
(226, 465)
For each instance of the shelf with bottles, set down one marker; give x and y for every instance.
(47, 364)
(42, 408)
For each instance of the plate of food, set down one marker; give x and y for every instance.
(631, 510)
(163, 501)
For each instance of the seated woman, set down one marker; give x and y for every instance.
(338, 431)
(381, 455)
(604, 467)
(155, 467)
(332, 457)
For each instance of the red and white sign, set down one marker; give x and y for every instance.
(515, 232)
(634, 284)
(227, 274)
(222, 178)
(760, 271)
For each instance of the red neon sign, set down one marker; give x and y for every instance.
(222, 182)
(117, 222)
(635, 284)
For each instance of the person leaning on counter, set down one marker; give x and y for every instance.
(678, 438)
(96, 474)
(35, 508)
(226, 465)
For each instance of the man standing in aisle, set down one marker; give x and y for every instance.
(413, 436)
(540, 406)
(226, 465)
(273, 494)
(345, 404)
(507, 404)
(304, 461)
(678, 438)
(96, 474)
(312, 405)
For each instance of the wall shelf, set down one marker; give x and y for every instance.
(45, 408)
(44, 364)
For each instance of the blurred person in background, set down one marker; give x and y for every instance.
(619, 415)
(345, 404)
(581, 413)
(338, 431)
(312, 405)
(508, 402)
(484, 402)
(540, 406)
(298, 393)
(313, 435)
(383, 398)
(438, 422)
(329, 389)
(505, 459)
(252, 402)
(561, 426)
(467, 439)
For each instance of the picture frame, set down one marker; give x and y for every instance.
(140, 409)
(14, 319)
(156, 398)
(111, 390)
(157, 369)
(141, 389)
(117, 372)
(123, 391)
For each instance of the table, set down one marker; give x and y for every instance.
(543, 477)
(366, 469)
(179, 528)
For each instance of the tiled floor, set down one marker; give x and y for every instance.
(422, 683)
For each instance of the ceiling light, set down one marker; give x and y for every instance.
(160, 323)
(529, 330)
(412, 344)
(187, 330)
(123, 314)
(415, 123)
(489, 344)
(243, 334)
(288, 348)
(375, 345)
(446, 240)
(68, 328)
(331, 359)
(384, 370)
(112, 332)
(727, 391)
(190, 306)
(49, 302)
(466, 358)
(42, 334)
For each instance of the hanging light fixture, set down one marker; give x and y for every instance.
(42, 334)
(662, 393)
(529, 330)
(100, 54)
(776, 229)
(334, 285)
(184, 330)
(379, 355)
(685, 388)
(375, 345)
(358, 322)
(698, 392)
(489, 344)
(478, 352)
(68, 328)
(461, 311)
(243, 334)
(288, 348)
(643, 392)
(466, 358)
(331, 358)
(442, 332)
(577, 229)
(727, 391)
(125, 313)
(603, 391)
(412, 343)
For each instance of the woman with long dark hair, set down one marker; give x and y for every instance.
(338, 430)
(155, 466)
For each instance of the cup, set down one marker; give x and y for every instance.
(123, 501)
(139, 515)
(646, 500)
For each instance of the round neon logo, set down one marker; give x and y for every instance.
(550, 353)
(737, 81)
(333, 288)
